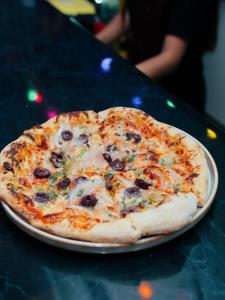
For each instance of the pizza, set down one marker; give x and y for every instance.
(111, 177)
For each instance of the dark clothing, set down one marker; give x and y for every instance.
(191, 20)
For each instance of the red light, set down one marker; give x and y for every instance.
(39, 98)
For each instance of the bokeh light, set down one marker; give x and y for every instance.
(211, 134)
(98, 1)
(170, 104)
(106, 64)
(34, 96)
(145, 290)
(51, 114)
(137, 101)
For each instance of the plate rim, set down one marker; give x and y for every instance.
(105, 248)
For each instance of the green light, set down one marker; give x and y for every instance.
(170, 104)
(31, 95)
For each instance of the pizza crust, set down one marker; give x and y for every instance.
(169, 217)
(119, 231)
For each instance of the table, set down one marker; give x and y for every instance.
(50, 65)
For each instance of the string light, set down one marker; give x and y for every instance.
(106, 64)
(211, 134)
(34, 96)
(51, 114)
(170, 104)
(137, 101)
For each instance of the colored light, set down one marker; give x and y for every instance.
(51, 114)
(106, 64)
(39, 98)
(34, 96)
(137, 101)
(145, 290)
(170, 104)
(31, 95)
(98, 1)
(211, 134)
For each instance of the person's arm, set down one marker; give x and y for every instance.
(114, 29)
(173, 50)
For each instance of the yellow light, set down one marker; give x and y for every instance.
(211, 134)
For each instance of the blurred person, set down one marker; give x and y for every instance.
(166, 41)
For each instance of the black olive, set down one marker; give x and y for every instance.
(88, 201)
(124, 212)
(107, 157)
(62, 185)
(83, 138)
(40, 172)
(111, 147)
(79, 179)
(117, 165)
(67, 135)
(42, 197)
(57, 159)
(142, 184)
(135, 138)
(7, 166)
(108, 183)
(133, 191)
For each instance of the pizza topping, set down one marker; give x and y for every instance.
(88, 201)
(42, 197)
(124, 212)
(83, 138)
(108, 184)
(176, 188)
(67, 135)
(117, 165)
(142, 184)
(27, 200)
(79, 179)
(29, 135)
(191, 177)
(62, 185)
(107, 157)
(7, 166)
(111, 148)
(153, 156)
(133, 191)
(57, 159)
(135, 138)
(40, 173)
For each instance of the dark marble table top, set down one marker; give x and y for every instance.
(46, 58)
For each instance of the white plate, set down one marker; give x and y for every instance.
(143, 243)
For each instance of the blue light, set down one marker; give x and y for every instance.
(137, 101)
(106, 64)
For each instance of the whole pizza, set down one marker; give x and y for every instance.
(113, 176)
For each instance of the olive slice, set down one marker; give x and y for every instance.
(42, 197)
(88, 201)
(142, 184)
(107, 157)
(117, 165)
(67, 135)
(62, 185)
(41, 172)
(133, 191)
(134, 137)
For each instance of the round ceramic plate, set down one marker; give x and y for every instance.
(143, 243)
